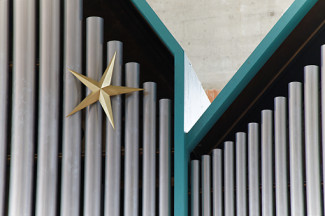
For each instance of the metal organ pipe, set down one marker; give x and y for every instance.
(296, 149)
(195, 188)
(47, 162)
(323, 111)
(241, 186)
(312, 141)
(22, 145)
(217, 182)
(4, 79)
(149, 149)
(280, 129)
(21, 197)
(253, 173)
(229, 178)
(131, 170)
(93, 144)
(206, 185)
(71, 145)
(113, 136)
(311, 148)
(164, 157)
(267, 162)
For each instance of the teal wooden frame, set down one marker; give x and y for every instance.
(185, 142)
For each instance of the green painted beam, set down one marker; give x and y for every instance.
(248, 70)
(180, 155)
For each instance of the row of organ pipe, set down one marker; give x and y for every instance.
(276, 167)
(50, 191)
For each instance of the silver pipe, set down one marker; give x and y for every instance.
(131, 171)
(253, 171)
(296, 149)
(280, 134)
(113, 136)
(206, 185)
(241, 186)
(323, 112)
(165, 157)
(93, 143)
(149, 149)
(312, 141)
(47, 162)
(195, 188)
(267, 162)
(71, 145)
(229, 178)
(4, 20)
(217, 182)
(22, 145)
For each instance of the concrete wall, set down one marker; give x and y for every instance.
(219, 35)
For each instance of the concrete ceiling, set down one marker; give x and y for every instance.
(219, 35)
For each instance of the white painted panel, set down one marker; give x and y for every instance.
(195, 99)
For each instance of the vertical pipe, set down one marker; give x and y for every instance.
(312, 141)
(47, 163)
(4, 19)
(131, 171)
(113, 136)
(217, 182)
(253, 169)
(71, 145)
(93, 144)
(195, 188)
(241, 186)
(280, 134)
(149, 149)
(22, 146)
(229, 178)
(206, 185)
(267, 162)
(323, 113)
(296, 149)
(164, 157)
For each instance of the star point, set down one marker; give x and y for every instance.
(101, 91)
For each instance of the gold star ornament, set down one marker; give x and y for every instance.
(101, 91)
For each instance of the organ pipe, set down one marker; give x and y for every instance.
(71, 144)
(217, 208)
(48, 134)
(22, 145)
(267, 162)
(113, 136)
(165, 157)
(131, 170)
(280, 129)
(253, 171)
(241, 186)
(149, 149)
(229, 178)
(296, 149)
(4, 79)
(312, 141)
(206, 185)
(93, 143)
